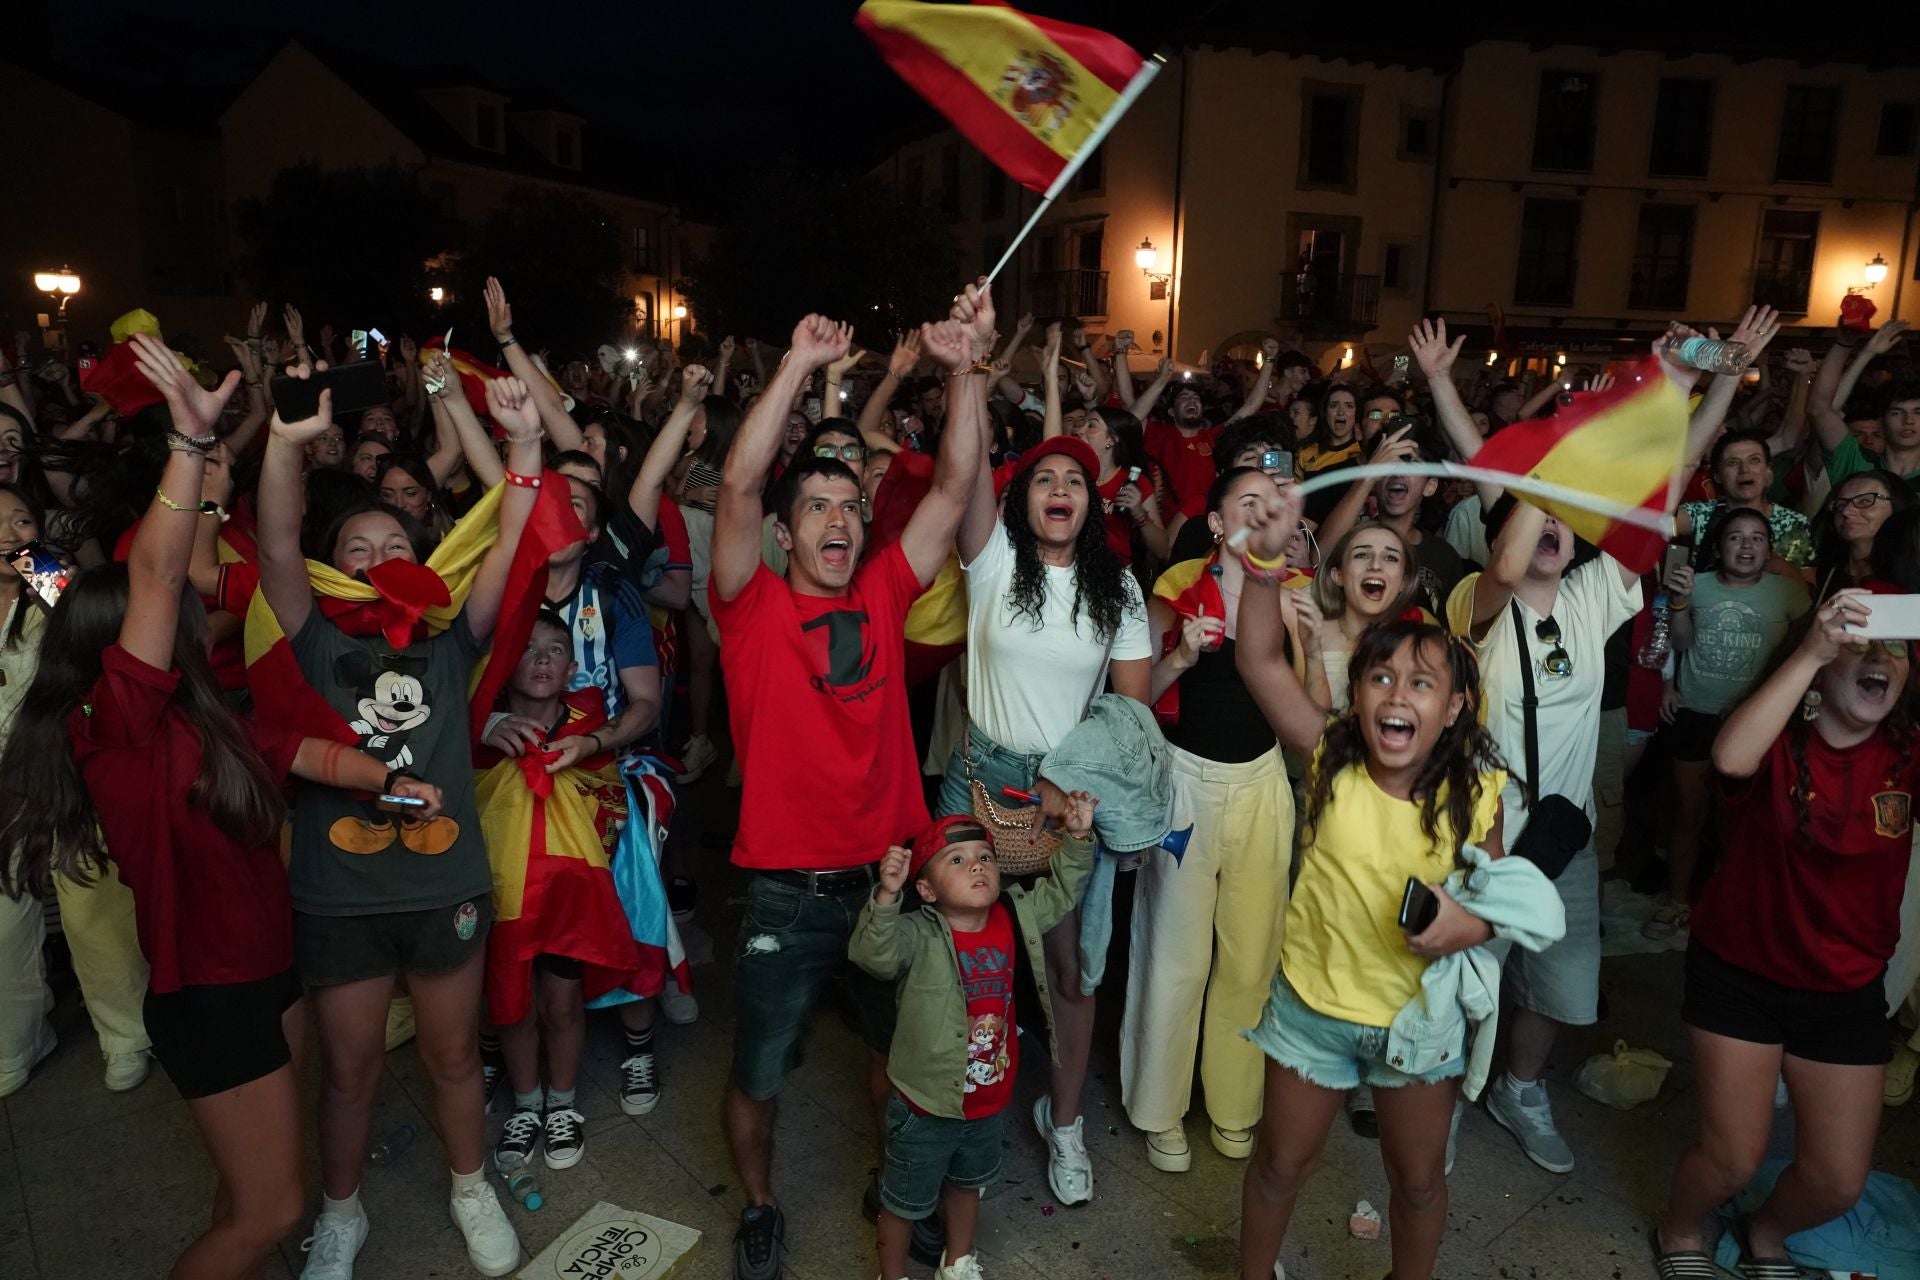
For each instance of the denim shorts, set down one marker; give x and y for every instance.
(924, 1152)
(1332, 1052)
(793, 944)
(979, 756)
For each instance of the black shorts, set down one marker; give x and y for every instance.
(563, 967)
(1843, 1028)
(331, 951)
(213, 1038)
(1690, 736)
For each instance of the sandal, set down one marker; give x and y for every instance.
(1682, 1264)
(1752, 1268)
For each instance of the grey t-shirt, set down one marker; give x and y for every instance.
(409, 707)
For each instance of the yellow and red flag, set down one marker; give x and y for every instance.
(1034, 95)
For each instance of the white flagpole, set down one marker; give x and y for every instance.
(1128, 96)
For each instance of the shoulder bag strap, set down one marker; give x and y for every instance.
(1529, 703)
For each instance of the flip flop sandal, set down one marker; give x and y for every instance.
(1682, 1264)
(1752, 1268)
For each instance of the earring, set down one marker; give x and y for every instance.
(1216, 539)
(1810, 704)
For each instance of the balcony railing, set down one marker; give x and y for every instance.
(1782, 288)
(1076, 291)
(1316, 302)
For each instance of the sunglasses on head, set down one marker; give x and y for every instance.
(844, 452)
(1558, 663)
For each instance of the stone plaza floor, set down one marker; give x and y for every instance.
(100, 1184)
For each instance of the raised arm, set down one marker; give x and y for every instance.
(1395, 446)
(906, 354)
(282, 499)
(163, 543)
(1054, 422)
(1258, 396)
(1102, 380)
(455, 418)
(1827, 398)
(955, 344)
(1122, 372)
(737, 510)
(1435, 356)
(1511, 552)
(1748, 734)
(830, 403)
(663, 455)
(510, 402)
(1259, 645)
(565, 432)
(1755, 331)
(1143, 403)
(1793, 422)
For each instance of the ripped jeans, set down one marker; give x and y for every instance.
(793, 944)
(1332, 1052)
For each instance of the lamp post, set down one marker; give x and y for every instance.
(1875, 271)
(60, 285)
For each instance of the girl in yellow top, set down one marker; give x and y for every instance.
(1398, 783)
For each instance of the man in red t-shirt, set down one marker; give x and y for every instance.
(1183, 452)
(815, 672)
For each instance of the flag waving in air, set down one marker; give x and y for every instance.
(1036, 96)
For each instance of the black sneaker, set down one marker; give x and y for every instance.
(639, 1090)
(566, 1138)
(759, 1243)
(517, 1139)
(928, 1243)
(681, 896)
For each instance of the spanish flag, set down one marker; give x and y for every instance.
(1034, 95)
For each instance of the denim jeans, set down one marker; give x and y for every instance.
(979, 756)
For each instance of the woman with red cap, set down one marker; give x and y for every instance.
(1051, 615)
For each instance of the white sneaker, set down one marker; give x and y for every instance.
(1234, 1144)
(127, 1071)
(333, 1246)
(12, 1082)
(966, 1267)
(491, 1245)
(1168, 1152)
(682, 1009)
(1069, 1170)
(701, 756)
(1526, 1113)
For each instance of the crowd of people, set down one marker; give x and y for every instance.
(347, 717)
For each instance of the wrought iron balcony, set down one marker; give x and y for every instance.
(1316, 302)
(1075, 291)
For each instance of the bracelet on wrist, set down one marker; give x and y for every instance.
(508, 341)
(201, 508)
(530, 437)
(198, 444)
(524, 482)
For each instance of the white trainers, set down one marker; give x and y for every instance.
(1900, 1072)
(966, 1267)
(1168, 1152)
(1069, 1170)
(1234, 1144)
(1525, 1112)
(682, 1009)
(491, 1245)
(12, 1082)
(333, 1246)
(127, 1071)
(701, 756)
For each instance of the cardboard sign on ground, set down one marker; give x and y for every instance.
(611, 1243)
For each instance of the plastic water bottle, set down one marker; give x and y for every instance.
(1710, 354)
(388, 1149)
(1653, 654)
(525, 1188)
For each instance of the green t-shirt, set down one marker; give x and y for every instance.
(410, 710)
(1735, 631)
(1849, 457)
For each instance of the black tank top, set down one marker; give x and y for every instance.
(1219, 720)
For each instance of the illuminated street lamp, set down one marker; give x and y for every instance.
(679, 311)
(437, 294)
(1876, 271)
(63, 284)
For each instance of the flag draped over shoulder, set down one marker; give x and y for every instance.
(1029, 92)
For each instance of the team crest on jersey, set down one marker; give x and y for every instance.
(1892, 814)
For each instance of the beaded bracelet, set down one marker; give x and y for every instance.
(524, 482)
(198, 444)
(171, 505)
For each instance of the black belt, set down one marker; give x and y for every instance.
(821, 883)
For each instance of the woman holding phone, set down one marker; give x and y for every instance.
(124, 735)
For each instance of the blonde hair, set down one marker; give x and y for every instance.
(1331, 596)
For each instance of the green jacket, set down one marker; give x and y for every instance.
(928, 1060)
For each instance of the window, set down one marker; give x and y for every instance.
(1092, 178)
(1807, 123)
(486, 126)
(642, 250)
(1398, 266)
(1416, 135)
(1548, 232)
(1783, 265)
(993, 191)
(566, 149)
(950, 180)
(1329, 136)
(1088, 244)
(1682, 129)
(1563, 121)
(1662, 258)
(1899, 121)
(1046, 252)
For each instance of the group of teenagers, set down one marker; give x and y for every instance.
(1392, 731)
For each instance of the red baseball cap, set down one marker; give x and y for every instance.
(955, 828)
(1066, 446)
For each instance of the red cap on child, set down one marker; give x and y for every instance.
(955, 828)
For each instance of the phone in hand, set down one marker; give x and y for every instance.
(1276, 461)
(1419, 908)
(43, 572)
(1892, 618)
(1678, 556)
(355, 387)
(401, 804)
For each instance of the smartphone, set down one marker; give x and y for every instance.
(1678, 556)
(1276, 460)
(404, 803)
(357, 339)
(355, 387)
(1418, 907)
(377, 336)
(45, 576)
(1893, 618)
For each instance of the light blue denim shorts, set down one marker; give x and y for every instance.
(1331, 1052)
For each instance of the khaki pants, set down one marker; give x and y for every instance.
(98, 922)
(1206, 944)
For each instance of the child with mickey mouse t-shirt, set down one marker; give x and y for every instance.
(955, 1050)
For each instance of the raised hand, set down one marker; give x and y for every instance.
(818, 340)
(906, 354)
(694, 381)
(726, 349)
(1270, 348)
(845, 364)
(499, 313)
(438, 372)
(1829, 633)
(1397, 445)
(1757, 328)
(409, 351)
(511, 405)
(1683, 375)
(1271, 523)
(1051, 355)
(1800, 362)
(1431, 350)
(302, 430)
(194, 408)
(974, 309)
(1886, 336)
(256, 321)
(296, 327)
(949, 344)
(1306, 612)
(893, 872)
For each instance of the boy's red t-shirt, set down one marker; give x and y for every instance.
(1813, 907)
(1186, 465)
(208, 909)
(986, 979)
(817, 697)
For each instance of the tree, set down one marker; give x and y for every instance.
(347, 246)
(558, 254)
(850, 248)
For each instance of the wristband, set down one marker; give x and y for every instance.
(1678, 606)
(198, 444)
(598, 746)
(508, 341)
(1265, 575)
(524, 482)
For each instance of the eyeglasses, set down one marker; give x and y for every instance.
(1558, 663)
(1862, 501)
(844, 452)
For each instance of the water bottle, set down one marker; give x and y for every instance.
(1712, 355)
(1654, 653)
(388, 1149)
(524, 1187)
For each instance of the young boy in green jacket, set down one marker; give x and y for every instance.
(955, 1051)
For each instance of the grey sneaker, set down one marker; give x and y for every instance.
(1526, 1113)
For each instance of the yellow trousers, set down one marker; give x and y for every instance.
(98, 922)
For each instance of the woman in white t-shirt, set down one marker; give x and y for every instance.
(1051, 614)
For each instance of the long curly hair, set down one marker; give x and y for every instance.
(1099, 579)
(1449, 783)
